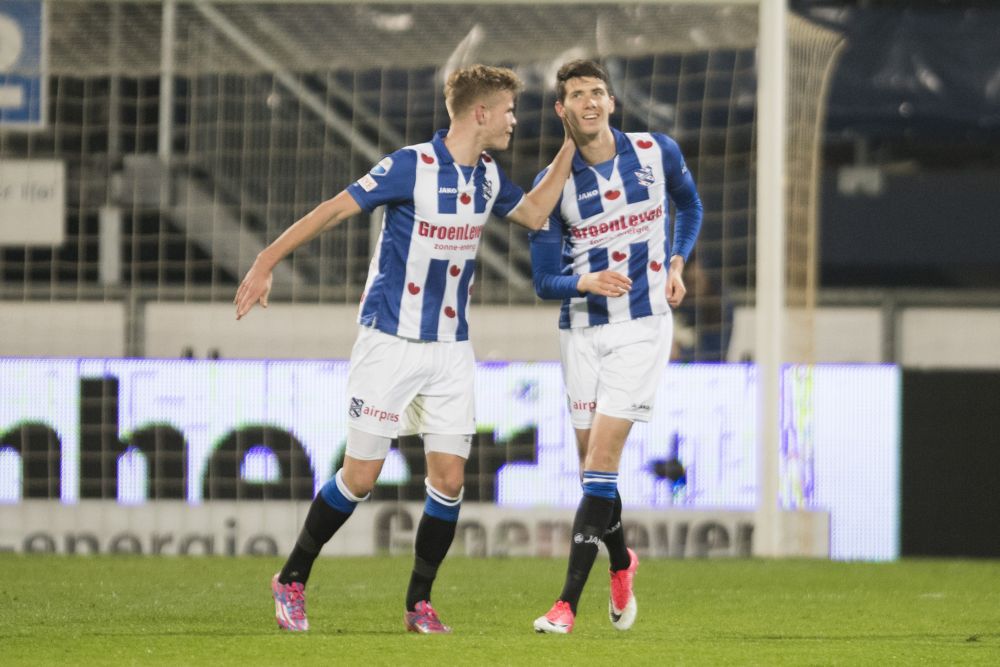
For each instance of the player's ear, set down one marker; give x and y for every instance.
(480, 113)
(611, 109)
(560, 109)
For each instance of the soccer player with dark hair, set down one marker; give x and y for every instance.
(606, 252)
(412, 366)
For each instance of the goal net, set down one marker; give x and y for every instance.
(192, 138)
(190, 135)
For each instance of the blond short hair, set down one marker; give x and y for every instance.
(468, 85)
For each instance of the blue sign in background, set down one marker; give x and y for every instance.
(22, 75)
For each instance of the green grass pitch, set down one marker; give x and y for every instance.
(62, 610)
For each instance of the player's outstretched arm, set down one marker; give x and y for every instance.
(256, 285)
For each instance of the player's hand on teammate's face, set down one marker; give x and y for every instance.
(254, 289)
(569, 125)
(604, 283)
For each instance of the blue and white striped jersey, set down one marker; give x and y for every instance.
(616, 216)
(421, 274)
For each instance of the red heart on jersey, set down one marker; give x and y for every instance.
(455, 270)
(426, 158)
(449, 311)
(487, 158)
(642, 143)
(612, 194)
(656, 266)
(465, 198)
(618, 256)
(414, 289)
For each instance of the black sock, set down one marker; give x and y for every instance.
(614, 538)
(434, 538)
(592, 518)
(322, 522)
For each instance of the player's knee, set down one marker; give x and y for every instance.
(454, 485)
(450, 483)
(601, 459)
(446, 458)
(360, 476)
(359, 482)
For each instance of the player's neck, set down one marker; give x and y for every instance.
(464, 147)
(599, 148)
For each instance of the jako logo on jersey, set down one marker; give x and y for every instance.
(447, 191)
(580, 538)
(382, 168)
(619, 224)
(463, 233)
(645, 176)
(587, 195)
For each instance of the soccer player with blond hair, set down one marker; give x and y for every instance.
(412, 366)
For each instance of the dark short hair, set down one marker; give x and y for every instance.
(580, 68)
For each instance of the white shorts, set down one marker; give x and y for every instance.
(400, 386)
(615, 368)
(372, 447)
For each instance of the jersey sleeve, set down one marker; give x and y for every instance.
(551, 279)
(682, 190)
(509, 197)
(388, 182)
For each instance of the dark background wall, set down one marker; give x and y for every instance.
(932, 227)
(916, 98)
(951, 464)
(911, 199)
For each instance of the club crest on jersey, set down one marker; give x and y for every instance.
(645, 176)
(357, 404)
(487, 189)
(382, 168)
